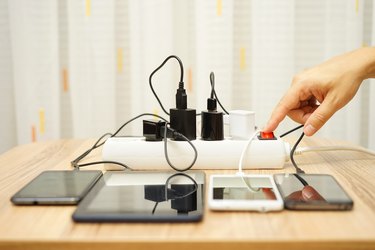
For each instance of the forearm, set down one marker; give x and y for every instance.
(366, 58)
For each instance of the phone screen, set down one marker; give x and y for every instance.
(57, 187)
(312, 192)
(244, 192)
(243, 188)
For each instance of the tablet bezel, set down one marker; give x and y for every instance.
(83, 214)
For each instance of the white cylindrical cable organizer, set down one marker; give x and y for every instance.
(142, 155)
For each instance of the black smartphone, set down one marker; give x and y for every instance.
(312, 192)
(58, 187)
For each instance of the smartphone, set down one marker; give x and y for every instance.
(312, 192)
(244, 192)
(57, 187)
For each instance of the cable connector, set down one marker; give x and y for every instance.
(152, 130)
(181, 97)
(155, 131)
(171, 133)
(182, 119)
(211, 104)
(212, 121)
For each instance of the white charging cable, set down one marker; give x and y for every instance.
(240, 172)
(244, 151)
(302, 150)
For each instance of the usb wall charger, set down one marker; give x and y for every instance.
(212, 121)
(182, 119)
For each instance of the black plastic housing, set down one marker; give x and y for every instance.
(184, 122)
(212, 126)
(184, 203)
(152, 130)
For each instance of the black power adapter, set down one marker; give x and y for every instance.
(182, 119)
(212, 121)
(152, 130)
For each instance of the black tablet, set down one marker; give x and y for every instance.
(144, 196)
(57, 187)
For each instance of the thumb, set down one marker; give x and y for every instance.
(318, 118)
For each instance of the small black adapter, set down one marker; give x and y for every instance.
(152, 130)
(182, 119)
(212, 121)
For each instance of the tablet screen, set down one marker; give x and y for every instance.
(144, 196)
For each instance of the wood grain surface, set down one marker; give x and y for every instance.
(51, 227)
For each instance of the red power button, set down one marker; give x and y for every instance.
(266, 136)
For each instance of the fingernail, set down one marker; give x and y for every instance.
(309, 130)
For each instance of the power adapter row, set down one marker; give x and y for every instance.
(183, 119)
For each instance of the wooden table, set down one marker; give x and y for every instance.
(51, 227)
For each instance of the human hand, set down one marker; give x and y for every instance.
(317, 93)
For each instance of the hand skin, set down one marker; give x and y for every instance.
(308, 193)
(317, 93)
(268, 192)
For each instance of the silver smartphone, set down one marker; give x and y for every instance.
(58, 187)
(312, 192)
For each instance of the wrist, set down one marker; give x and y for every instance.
(367, 61)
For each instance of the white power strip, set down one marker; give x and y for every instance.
(139, 154)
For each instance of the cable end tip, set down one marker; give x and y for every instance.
(240, 173)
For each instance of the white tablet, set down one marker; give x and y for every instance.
(244, 192)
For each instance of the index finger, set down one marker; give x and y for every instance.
(287, 103)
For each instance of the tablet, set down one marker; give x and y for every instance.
(57, 187)
(126, 196)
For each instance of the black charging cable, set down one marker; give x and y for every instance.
(302, 180)
(292, 130)
(182, 119)
(180, 196)
(176, 135)
(299, 170)
(181, 83)
(99, 143)
(168, 132)
(213, 92)
(176, 195)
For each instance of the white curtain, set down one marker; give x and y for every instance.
(80, 68)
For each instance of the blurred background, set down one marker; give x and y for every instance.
(80, 68)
